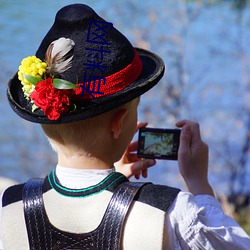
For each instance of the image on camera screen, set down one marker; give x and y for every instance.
(158, 143)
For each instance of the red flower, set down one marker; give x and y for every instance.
(52, 101)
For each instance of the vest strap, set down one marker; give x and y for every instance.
(113, 220)
(44, 236)
(38, 233)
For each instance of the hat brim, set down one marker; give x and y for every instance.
(152, 72)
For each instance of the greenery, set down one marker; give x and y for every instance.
(243, 218)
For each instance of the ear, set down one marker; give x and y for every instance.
(117, 122)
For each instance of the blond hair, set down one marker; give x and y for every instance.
(81, 136)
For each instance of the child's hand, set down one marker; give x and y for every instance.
(130, 165)
(193, 158)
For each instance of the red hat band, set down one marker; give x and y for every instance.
(104, 86)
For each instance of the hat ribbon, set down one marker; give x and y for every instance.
(113, 83)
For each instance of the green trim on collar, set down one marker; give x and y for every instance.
(106, 183)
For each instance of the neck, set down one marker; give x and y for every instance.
(101, 157)
(72, 159)
(84, 162)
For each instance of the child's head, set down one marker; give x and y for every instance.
(85, 75)
(111, 131)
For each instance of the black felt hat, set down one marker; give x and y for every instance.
(100, 50)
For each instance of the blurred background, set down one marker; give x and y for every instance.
(205, 46)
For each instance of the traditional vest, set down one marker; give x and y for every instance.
(114, 226)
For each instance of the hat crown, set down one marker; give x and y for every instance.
(77, 22)
(75, 13)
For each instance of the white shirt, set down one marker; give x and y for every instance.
(1, 244)
(195, 222)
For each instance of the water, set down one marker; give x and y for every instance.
(207, 78)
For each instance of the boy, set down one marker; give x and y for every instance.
(90, 121)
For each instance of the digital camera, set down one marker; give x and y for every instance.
(155, 143)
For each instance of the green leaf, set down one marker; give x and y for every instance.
(34, 107)
(32, 79)
(74, 108)
(63, 84)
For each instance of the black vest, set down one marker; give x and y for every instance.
(44, 236)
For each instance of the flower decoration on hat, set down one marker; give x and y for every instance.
(40, 82)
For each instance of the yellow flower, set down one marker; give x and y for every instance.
(32, 66)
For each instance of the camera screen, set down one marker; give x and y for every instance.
(158, 143)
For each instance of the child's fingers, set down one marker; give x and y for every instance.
(141, 125)
(144, 173)
(185, 139)
(137, 176)
(142, 164)
(194, 127)
(132, 158)
(185, 152)
(181, 123)
(132, 146)
(186, 122)
(196, 135)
